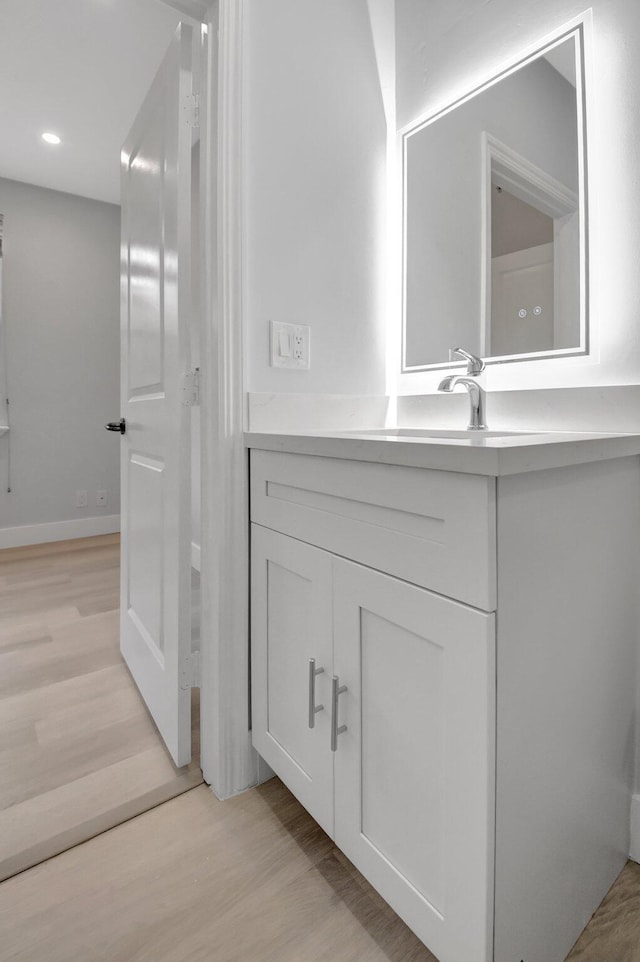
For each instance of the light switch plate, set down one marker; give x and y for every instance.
(290, 345)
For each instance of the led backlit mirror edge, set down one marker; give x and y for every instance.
(576, 31)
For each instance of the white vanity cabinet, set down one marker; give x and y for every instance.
(418, 673)
(481, 635)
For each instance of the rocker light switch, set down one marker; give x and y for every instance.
(284, 344)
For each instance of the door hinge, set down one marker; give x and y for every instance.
(191, 388)
(190, 674)
(191, 110)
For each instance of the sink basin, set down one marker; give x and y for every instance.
(440, 433)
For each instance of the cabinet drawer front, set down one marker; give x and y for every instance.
(432, 528)
(414, 766)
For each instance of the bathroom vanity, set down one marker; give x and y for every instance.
(443, 669)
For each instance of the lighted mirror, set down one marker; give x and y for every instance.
(495, 254)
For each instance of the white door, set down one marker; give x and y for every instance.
(155, 634)
(291, 665)
(414, 767)
(522, 301)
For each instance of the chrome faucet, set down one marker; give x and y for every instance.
(475, 365)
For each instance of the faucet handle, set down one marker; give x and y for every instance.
(475, 365)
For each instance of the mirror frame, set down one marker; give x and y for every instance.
(578, 31)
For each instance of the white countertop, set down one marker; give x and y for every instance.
(515, 453)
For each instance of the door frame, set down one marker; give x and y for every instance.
(229, 763)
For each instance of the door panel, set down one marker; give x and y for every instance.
(144, 587)
(291, 623)
(155, 326)
(523, 281)
(414, 784)
(289, 600)
(396, 732)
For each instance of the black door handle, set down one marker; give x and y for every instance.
(120, 426)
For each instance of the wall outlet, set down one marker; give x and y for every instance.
(101, 497)
(81, 499)
(290, 345)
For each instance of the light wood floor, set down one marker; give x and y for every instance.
(252, 879)
(78, 751)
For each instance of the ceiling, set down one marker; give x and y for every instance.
(81, 69)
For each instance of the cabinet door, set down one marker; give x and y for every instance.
(414, 770)
(291, 624)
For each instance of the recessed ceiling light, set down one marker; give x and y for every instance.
(51, 138)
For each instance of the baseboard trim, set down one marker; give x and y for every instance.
(195, 556)
(634, 848)
(26, 534)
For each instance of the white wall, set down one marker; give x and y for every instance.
(315, 142)
(62, 306)
(445, 49)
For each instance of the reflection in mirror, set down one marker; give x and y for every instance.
(521, 273)
(494, 237)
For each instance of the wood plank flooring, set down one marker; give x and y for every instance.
(252, 879)
(78, 751)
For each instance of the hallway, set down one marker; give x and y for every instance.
(78, 750)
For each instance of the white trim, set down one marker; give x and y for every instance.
(26, 534)
(526, 180)
(634, 847)
(261, 772)
(229, 763)
(195, 556)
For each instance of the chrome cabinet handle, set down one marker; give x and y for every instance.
(336, 690)
(313, 708)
